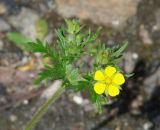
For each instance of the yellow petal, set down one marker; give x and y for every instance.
(99, 88)
(99, 75)
(113, 90)
(118, 79)
(110, 71)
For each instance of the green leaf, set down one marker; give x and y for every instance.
(72, 74)
(73, 26)
(62, 40)
(81, 85)
(37, 46)
(49, 73)
(93, 95)
(87, 77)
(129, 75)
(120, 50)
(41, 28)
(98, 103)
(42, 76)
(18, 38)
(92, 38)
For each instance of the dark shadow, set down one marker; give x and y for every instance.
(151, 108)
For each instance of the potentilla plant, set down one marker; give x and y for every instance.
(103, 80)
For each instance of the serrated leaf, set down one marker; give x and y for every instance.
(42, 76)
(49, 74)
(73, 26)
(37, 46)
(81, 85)
(92, 38)
(62, 41)
(118, 53)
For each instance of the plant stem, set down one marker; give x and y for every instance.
(44, 108)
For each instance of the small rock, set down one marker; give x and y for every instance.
(145, 36)
(25, 102)
(88, 106)
(3, 9)
(9, 90)
(77, 99)
(49, 38)
(118, 128)
(135, 56)
(110, 42)
(135, 105)
(4, 26)
(130, 61)
(3, 100)
(47, 6)
(1, 44)
(27, 18)
(13, 118)
(51, 4)
(148, 126)
(155, 28)
(115, 23)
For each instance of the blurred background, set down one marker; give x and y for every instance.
(136, 21)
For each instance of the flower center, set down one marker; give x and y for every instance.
(108, 80)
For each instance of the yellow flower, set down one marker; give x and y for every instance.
(108, 80)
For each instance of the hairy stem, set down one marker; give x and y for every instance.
(44, 108)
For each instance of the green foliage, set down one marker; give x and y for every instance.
(19, 39)
(129, 75)
(108, 56)
(72, 74)
(38, 46)
(41, 28)
(117, 51)
(68, 49)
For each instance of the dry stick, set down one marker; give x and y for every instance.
(44, 108)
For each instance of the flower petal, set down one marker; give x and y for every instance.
(99, 88)
(110, 71)
(99, 75)
(113, 90)
(118, 79)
